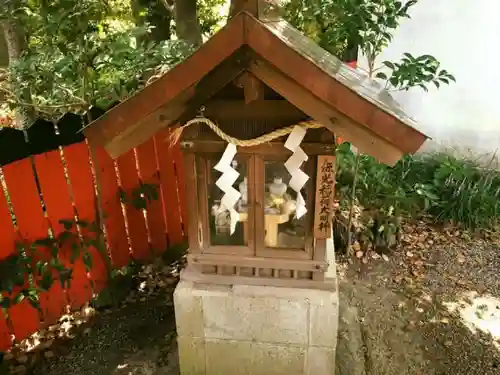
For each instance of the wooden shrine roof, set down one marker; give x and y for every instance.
(343, 99)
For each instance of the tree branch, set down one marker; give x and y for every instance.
(168, 6)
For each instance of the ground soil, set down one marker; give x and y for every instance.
(414, 312)
(441, 317)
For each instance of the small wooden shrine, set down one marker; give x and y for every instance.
(259, 106)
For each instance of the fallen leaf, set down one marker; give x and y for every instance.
(415, 273)
(409, 254)
(397, 279)
(385, 257)
(427, 298)
(408, 280)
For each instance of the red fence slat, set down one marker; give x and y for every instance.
(7, 246)
(7, 235)
(148, 171)
(32, 225)
(59, 206)
(179, 170)
(82, 186)
(168, 189)
(113, 214)
(5, 338)
(136, 223)
(164, 223)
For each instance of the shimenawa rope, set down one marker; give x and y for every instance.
(176, 135)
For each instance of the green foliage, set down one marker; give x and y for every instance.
(335, 24)
(415, 71)
(176, 255)
(210, 16)
(110, 71)
(35, 266)
(29, 271)
(319, 20)
(447, 188)
(140, 196)
(119, 286)
(80, 54)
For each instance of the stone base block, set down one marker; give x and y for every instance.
(255, 330)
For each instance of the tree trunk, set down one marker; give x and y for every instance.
(157, 13)
(13, 39)
(4, 52)
(186, 22)
(16, 44)
(350, 53)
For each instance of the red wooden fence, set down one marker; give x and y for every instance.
(66, 188)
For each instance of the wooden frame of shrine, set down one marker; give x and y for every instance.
(259, 105)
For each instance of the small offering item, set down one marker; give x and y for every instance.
(278, 187)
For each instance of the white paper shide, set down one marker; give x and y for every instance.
(293, 164)
(225, 184)
(229, 176)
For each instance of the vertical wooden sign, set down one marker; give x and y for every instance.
(325, 193)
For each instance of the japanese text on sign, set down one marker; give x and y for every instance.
(325, 189)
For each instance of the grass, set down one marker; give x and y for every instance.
(445, 187)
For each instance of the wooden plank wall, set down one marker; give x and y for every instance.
(48, 175)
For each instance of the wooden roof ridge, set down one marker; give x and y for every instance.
(341, 98)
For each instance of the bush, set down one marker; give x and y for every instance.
(445, 187)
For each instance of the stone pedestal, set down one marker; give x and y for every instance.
(255, 330)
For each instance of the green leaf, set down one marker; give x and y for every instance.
(87, 260)
(19, 298)
(65, 278)
(424, 87)
(46, 282)
(83, 223)
(44, 242)
(34, 301)
(67, 224)
(381, 75)
(5, 302)
(75, 252)
(389, 64)
(394, 81)
(409, 56)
